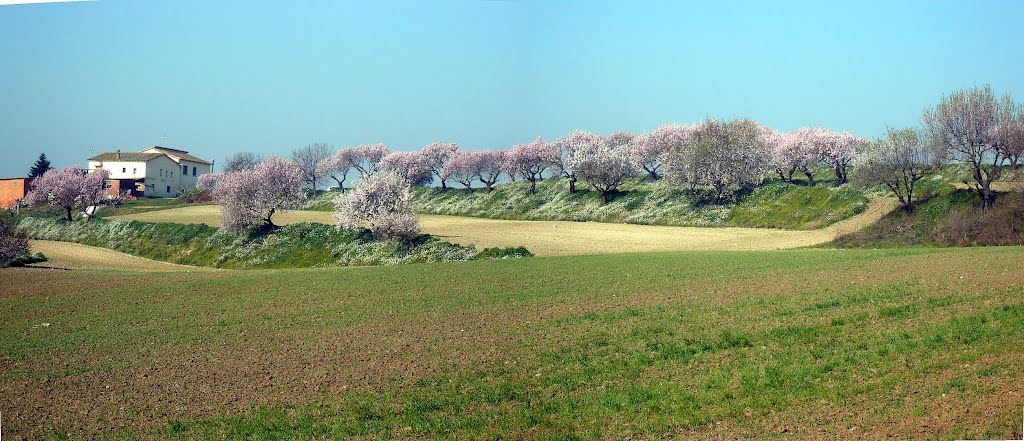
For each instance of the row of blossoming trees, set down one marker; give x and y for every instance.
(714, 157)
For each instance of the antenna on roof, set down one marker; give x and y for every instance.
(163, 139)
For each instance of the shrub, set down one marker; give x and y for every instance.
(13, 243)
(504, 253)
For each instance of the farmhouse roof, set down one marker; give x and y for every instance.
(180, 154)
(125, 156)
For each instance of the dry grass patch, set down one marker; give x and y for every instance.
(68, 255)
(558, 238)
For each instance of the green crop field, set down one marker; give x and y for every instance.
(908, 343)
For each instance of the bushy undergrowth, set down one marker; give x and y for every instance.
(642, 201)
(945, 217)
(291, 246)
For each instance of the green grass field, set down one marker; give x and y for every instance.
(908, 343)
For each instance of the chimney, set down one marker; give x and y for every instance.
(118, 153)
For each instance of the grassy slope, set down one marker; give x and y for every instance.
(645, 202)
(899, 228)
(292, 246)
(913, 343)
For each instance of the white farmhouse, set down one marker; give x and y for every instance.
(153, 172)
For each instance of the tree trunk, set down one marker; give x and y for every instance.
(604, 196)
(810, 178)
(533, 186)
(270, 215)
(69, 214)
(572, 185)
(444, 185)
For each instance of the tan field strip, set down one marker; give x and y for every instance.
(75, 256)
(558, 238)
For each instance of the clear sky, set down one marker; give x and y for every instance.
(216, 77)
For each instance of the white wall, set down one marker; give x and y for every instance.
(121, 169)
(162, 172)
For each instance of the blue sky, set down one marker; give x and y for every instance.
(225, 76)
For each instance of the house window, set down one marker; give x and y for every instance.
(193, 171)
(168, 188)
(184, 169)
(124, 169)
(134, 171)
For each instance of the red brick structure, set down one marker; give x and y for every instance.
(12, 189)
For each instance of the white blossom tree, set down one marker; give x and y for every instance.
(605, 167)
(381, 203)
(965, 125)
(898, 161)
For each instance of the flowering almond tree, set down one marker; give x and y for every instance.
(69, 188)
(411, 166)
(366, 158)
(898, 161)
(208, 181)
(568, 148)
(380, 202)
(337, 166)
(806, 145)
(722, 157)
(783, 159)
(251, 197)
(464, 168)
(490, 164)
(964, 124)
(438, 154)
(603, 166)
(839, 151)
(531, 161)
(648, 150)
(1010, 137)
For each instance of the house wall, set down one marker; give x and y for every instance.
(163, 178)
(121, 169)
(13, 189)
(188, 181)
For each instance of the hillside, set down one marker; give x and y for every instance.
(641, 201)
(945, 216)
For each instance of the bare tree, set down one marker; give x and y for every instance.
(241, 161)
(964, 124)
(308, 158)
(898, 161)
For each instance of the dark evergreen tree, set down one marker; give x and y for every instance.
(41, 166)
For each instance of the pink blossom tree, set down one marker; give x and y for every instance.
(337, 166)
(647, 150)
(783, 158)
(603, 166)
(839, 150)
(464, 167)
(437, 155)
(251, 197)
(722, 157)
(806, 147)
(490, 164)
(411, 166)
(380, 202)
(366, 158)
(1009, 136)
(208, 181)
(568, 148)
(531, 161)
(69, 188)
